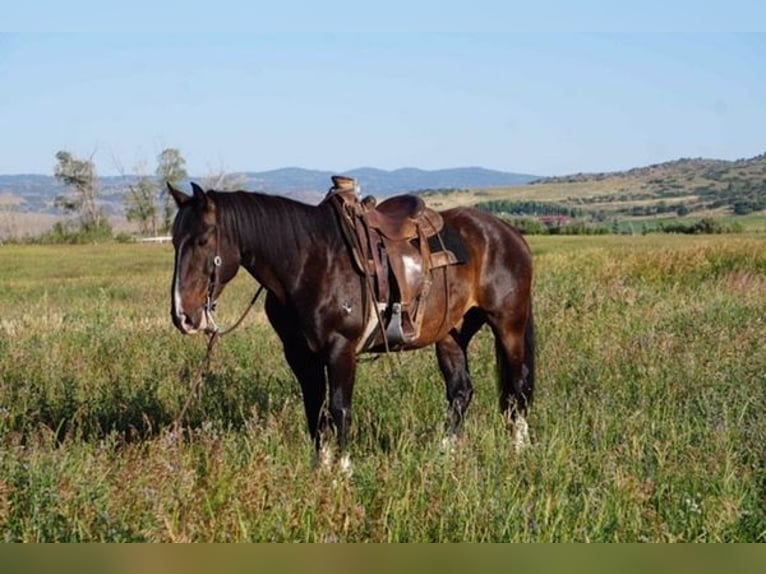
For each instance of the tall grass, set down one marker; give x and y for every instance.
(647, 423)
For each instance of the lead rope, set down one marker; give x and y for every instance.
(213, 336)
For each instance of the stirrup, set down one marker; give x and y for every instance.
(394, 331)
(399, 329)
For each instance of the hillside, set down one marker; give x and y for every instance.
(683, 186)
(695, 184)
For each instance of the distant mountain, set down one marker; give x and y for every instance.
(693, 186)
(33, 193)
(380, 182)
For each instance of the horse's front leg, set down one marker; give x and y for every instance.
(306, 364)
(341, 373)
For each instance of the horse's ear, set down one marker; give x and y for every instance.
(179, 196)
(197, 189)
(199, 194)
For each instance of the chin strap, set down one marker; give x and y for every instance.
(213, 333)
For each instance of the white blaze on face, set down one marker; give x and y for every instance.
(177, 305)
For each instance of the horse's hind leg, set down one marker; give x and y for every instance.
(514, 351)
(453, 363)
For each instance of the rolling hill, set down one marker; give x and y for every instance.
(682, 186)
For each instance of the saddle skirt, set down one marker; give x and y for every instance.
(396, 244)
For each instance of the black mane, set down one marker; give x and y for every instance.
(274, 223)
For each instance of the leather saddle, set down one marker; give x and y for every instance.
(389, 242)
(398, 217)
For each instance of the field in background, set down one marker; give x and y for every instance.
(639, 199)
(648, 423)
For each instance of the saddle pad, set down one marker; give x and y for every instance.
(452, 242)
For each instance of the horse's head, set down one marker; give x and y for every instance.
(197, 276)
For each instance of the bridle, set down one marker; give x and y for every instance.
(211, 329)
(212, 286)
(214, 281)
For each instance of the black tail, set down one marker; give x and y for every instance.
(529, 357)
(516, 395)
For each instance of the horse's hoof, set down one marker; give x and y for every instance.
(323, 458)
(346, 469)
(448, 444)
(520, 435)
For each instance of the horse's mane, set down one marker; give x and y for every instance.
(272, 222)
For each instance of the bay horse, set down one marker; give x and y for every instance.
(316, 298)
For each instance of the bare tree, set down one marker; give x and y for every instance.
(171, 169)
(222, 180)
(141, 202)
(80, 176)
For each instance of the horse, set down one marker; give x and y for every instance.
(318, 302)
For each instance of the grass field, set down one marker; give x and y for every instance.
(648, 423)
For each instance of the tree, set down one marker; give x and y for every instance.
(171, 169)
(141, 199)
(80, 176)
(141, 203)
(222, 180)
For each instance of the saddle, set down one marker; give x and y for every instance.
(389, 243)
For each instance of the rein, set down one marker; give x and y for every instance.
(213, 336)
(212, 330)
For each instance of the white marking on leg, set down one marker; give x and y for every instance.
(448, 444)
(520, 434)
(345, 466)
(323, 457)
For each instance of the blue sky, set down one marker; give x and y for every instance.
(547, 103)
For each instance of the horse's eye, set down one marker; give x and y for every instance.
(203, 239)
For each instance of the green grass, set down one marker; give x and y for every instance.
(648, 422)
(641, 199)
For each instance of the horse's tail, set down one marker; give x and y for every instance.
(514, 393)
(529, 356)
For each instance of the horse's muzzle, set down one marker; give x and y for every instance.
(189, 324)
